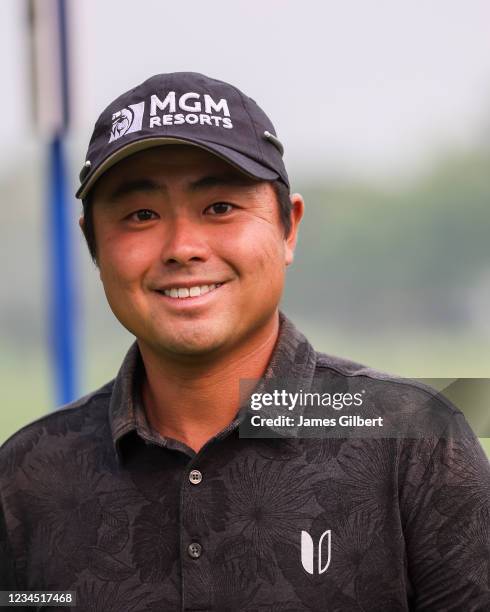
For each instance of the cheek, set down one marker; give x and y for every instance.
(123, 259)
(258, 252)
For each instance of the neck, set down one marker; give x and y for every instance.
(192, 402)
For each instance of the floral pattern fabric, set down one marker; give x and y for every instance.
(94, 501)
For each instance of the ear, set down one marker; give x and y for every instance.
(81, 223)
(297, 210)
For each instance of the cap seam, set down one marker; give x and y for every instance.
(257, 136)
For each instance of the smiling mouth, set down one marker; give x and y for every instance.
(189, 292)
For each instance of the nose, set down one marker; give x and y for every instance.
(185, 242)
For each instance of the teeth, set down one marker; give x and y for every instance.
(183, 292)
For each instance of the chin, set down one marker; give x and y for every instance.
(193, 341)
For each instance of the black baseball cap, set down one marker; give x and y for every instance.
(186, 108)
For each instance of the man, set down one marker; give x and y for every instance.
(143, 495)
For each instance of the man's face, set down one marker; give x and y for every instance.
(178, 220)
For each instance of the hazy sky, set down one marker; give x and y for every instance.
(362, 85)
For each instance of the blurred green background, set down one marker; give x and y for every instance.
(392, 274)
(385, 138)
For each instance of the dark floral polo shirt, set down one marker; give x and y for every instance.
(94, 501)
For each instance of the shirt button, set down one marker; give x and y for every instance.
(194, 550)
(195, 476)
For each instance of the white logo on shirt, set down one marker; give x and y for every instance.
(307, 548)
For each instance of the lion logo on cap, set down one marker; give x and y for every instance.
(127, 120)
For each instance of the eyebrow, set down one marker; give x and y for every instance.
(147, 185)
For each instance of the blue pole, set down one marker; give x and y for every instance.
(62, 307)
(62, 314)
(49, 48)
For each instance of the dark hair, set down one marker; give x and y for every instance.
(280, 189)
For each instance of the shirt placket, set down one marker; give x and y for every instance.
(195, 541)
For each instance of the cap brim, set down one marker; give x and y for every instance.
(241, 162)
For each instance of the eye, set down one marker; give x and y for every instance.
(220, 208)
(144, 214)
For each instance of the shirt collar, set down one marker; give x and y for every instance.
(293, 358)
